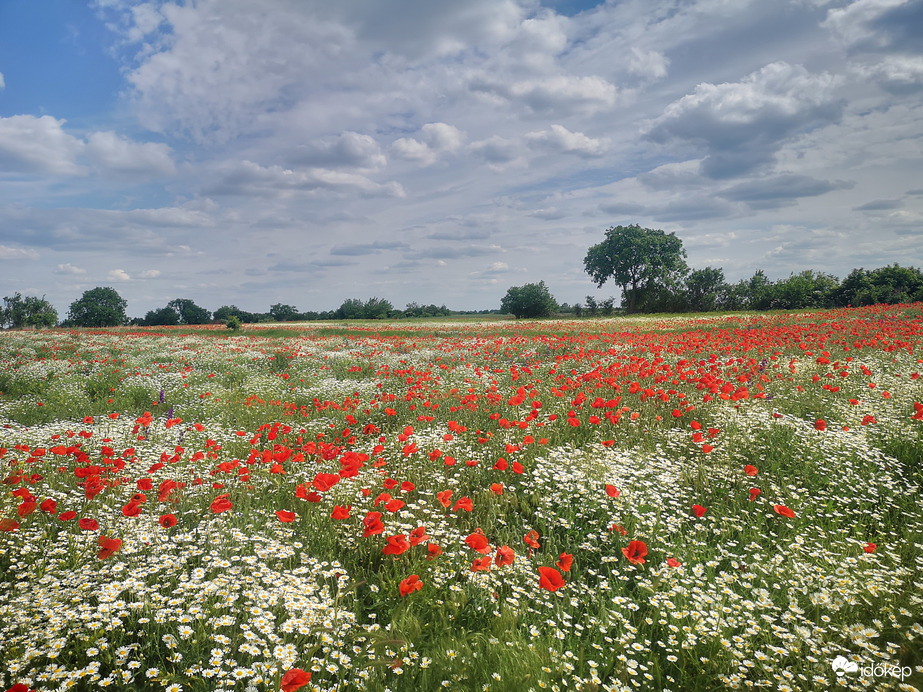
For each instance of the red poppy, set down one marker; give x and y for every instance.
(699, 510)
(481, 564)
(132, 509)
(477, 541)
(517, 467)
(68, 515)
(784, 511)
(407, 487)
(295, 679)
(410, 584)
(501, 465)
(820, 424)
(443, 497)
(394, 505)
(433, 549)
(463, 504)
(550, 578)
(673, 562)
(612, 491)
(870, 547)
(505, 556)
(108, 547)
(619, 529)
(751, 470)
(87, 524)
(397, 545)
(754, 493)
(20, 687)
(531, 539)
(373, 524)
(26, 508)
(496, 488)
(222, 503)
(8, 524)
(167, 520)
(285, 516)
(635, 552)
(325, 481)
(49, 506)
(340, 512)
(565, 561)
(418, 535)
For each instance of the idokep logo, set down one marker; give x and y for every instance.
(842, 665)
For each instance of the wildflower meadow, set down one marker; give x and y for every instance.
(692, 503)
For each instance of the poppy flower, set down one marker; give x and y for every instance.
(496, 488)
(285, 516)
(784, 511)
(550, 578)
(635, 552)
(167, 521)
(443, 497)
(418, 535)
(754, 493)
(49, 506)
(295, 679)
(434, 550)
(481, 564)
(87, 524)
(8, 524)
(869, 547)
(108, 547)
(612, 491)
(394, 505)
(673, 562)
(20, 687)
(26, 508)
(517, 467)
(222, 503)
(501, 465)
(410, 584)
(531, 539)
(564, 562)
(463, 504)
(68, 515)
(505, 556)
(373, 524)
(699, 510)
(751, 470)
(340, 512)
(820, 424)
(397, 545)
(477, 541)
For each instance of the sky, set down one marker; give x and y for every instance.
(441, 151)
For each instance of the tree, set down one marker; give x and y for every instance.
(637, 259)
(705, 289)
(284, 313)
(31, 311)
(188, 312)
(161, 317)
(531, 300)
(376, 308)
(98, 307)
(350, 309)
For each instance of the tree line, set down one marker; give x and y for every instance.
(648, 265)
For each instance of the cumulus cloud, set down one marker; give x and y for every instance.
(871, 25)
(118, 275)
(118, 154)
(554, 96)
(498, 152)
(69, 268)
(434, 140)
(559, 138)
(251, 179)
(149, 274)
(741, 125)
(650, 64)
(780, 190)
(30, 145)
(16, 253)
(345, 150)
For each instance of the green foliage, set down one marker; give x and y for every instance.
(372, 309)
(31, 311)
(705, 289)
(163, 316)
(233, 323)
(189, 312)
(284, 313)
(531, 300)
(637, 259)
(98, 307)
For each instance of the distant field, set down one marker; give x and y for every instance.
(660, 503)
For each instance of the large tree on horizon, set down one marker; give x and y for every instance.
(637, 259)
(98, 307)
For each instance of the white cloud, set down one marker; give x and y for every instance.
(498, 152)
(559, 95)
(435, 139)
(30, 144)
(651, 64)
(121, 155)
(68, 268)
(559, 138)
(251, 179)
(855, 23)
(15, 253)
(149, 274)
(118, 275)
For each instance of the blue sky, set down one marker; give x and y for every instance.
(438, 151)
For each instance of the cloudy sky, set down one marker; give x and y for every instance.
(441, 151)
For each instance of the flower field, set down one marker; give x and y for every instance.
(630, 504)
